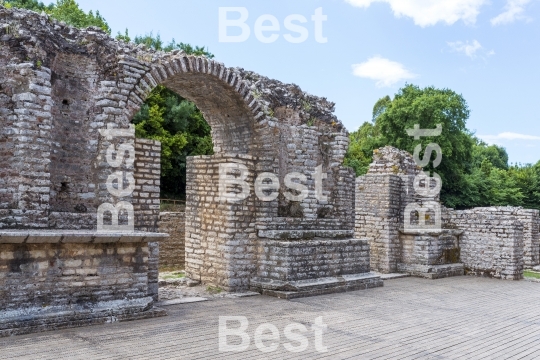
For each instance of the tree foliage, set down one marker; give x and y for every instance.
(67, 11)
(182, 131)
(473, 172)
(176, 122)
(155, 42)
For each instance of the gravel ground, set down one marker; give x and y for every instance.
(172, 287)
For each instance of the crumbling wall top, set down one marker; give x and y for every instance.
(391, 161)
(38, 38)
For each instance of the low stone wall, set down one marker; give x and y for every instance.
(172, 251)
(430, 249)
(496, 241)
(295, 268)
(295, 260)
(42, 275)
(51, 280)
(492, 241)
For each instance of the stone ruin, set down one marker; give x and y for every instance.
(79, 195)
(78, 248)
(494, 241)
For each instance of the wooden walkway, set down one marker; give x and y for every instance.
(409, 318)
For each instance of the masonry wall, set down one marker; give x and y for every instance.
(531, 236)
(378, 218)
(492, 242)
(43, 275)
(295, 260)
(24, 144)
(146, 202)
(147, 184)
(68, 84)
(431, 249)
(74, 79)
(172, 250)
(220, 235)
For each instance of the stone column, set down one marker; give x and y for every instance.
(26, 146)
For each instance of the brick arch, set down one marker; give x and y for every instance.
(221, 94)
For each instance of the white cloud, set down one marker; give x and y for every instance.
(497, 139)
(430, 12)
(467, 48)
(384, 71)
(514, 10)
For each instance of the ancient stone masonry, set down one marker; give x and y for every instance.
(67, 97)
(492, 244)
(172, 251)
(496, 242)
(65, 91)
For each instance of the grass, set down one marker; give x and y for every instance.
(174, 276)
(213, 289)
(531, 274)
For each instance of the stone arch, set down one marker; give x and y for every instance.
(238, 124)
(219, 92)
(258, 124)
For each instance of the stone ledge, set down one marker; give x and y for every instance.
(320, 286)
(306, 234)
(26, 321)
(454, 232)
(76, 236)
(432, 271)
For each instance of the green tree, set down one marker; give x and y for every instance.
(362, 143)
(33, 5)
(63, 10)
(182, 131)
(491, 186)
(155, 42)
(428, 108)
(496, 155)
(527, 179)
(473, 172)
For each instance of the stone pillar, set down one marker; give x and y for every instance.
(531, 237)
(25, 146)
(147, 184)
(146, 202)
(378, 218)
(220, 235)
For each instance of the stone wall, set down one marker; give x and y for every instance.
(147, 184)
(172, 255)
(497, 242)
(71, 274)
(25, 99)
(531, 236)
(53, 280)
(492, 242)
(220, 235)
(65, 91)
(310, 259)
(378, 218)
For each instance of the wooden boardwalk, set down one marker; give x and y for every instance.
(409, 318)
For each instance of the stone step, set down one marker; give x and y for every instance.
(313, 287)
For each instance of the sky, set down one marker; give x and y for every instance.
(354, 52)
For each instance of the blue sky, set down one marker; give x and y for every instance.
(488, 51)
